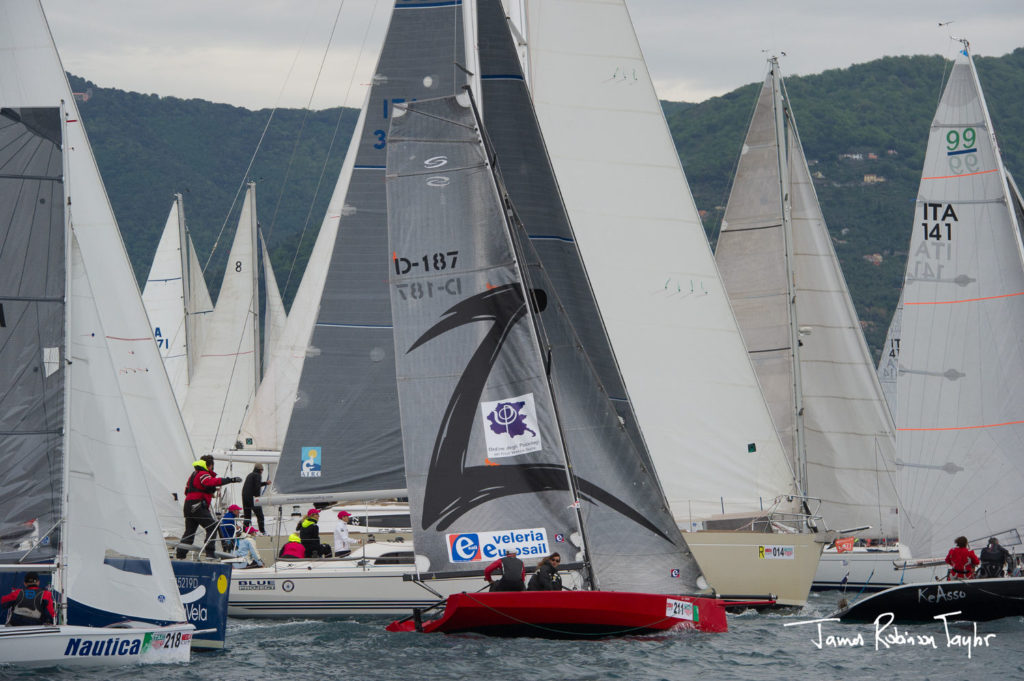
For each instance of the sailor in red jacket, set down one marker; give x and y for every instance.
(30, 606)
(199, 491)
(961, 560)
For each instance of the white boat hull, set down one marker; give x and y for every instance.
(757, 563)
(869, 569)
(70, 646)
(329, 589)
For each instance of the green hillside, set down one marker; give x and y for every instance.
(149, 147)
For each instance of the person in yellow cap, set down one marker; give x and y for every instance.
(294, 548)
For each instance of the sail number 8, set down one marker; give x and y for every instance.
(954, 138)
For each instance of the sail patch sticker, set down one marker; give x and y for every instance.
(510, 426)
(469, 547)
(776, 552)
(310, 463)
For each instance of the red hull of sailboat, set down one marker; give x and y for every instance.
(572, 614)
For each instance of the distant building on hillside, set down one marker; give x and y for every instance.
(871, 178)
(83, 96)
(875, 259)
(892, 152)
(852, 157)
(873, 157)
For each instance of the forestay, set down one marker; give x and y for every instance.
(485, 438)
(677, 343)
(801, 328)
(959, 410)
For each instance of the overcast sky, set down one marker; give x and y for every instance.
(262, 53)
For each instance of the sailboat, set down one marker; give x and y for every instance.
(959, 427)
(806, 344)
(71, 323)
(679, 351)
(509, 440)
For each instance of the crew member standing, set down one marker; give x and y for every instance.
(993, 558)
(513, 573)
(30, 605)
(251, 488)
(199, 491)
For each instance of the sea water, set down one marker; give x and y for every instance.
(757, 647)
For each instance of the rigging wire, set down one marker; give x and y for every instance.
(327, 156)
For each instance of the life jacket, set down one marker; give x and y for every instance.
(293, 549)
(29, 610)
(195, 490)
(511, 570)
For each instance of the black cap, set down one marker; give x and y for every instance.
(31, 576)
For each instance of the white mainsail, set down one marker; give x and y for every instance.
(666, 311)
(801, 328)
(119, 406)
(959, 411)
(176, 298)
(227, 367)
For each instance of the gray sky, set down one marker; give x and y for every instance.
(262, 53)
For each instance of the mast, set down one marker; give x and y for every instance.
(186, 293)
(255, 305)
(995, 147)
(511, 224)
(65, 498)
(781, 112)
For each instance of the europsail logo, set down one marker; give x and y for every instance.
(468, 547)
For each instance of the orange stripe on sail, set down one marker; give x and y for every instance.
(990, 425)
(949, 177)
(966, 300)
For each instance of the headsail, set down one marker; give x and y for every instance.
(677, 344)
(227, 368)
(959, 411)
(486, 437)
(801, 328)
(119, 408)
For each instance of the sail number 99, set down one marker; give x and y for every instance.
(955, 137)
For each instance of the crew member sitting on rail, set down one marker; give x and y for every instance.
(513, 573)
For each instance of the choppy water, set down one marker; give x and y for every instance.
(758, 646)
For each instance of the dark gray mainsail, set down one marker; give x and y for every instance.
(32, 333)
(344, 429)
(490, 401)
(526, 172)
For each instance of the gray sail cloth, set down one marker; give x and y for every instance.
(526, 172)
(347, 404)
(960, 403)
(845, 456)
(32, 335)
(467, 477)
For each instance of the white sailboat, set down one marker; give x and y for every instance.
(72, 325)
(805, 341)
(177, 300)
(677, 344)
(958, 406)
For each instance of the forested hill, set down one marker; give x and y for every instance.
(863, 128)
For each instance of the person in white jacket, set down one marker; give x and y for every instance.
(342, 543)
